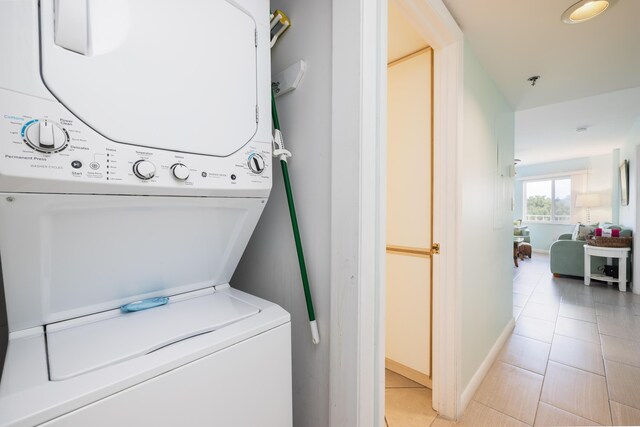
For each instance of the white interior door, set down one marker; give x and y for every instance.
(409, 156)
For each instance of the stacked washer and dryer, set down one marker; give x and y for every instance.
(135, 161)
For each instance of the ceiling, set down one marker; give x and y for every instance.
(516, 39)
(590, 72)
(403, 39)
(548, 133)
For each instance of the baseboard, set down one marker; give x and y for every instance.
(408, 372)
(477, 378)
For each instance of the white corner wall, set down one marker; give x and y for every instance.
(487, 252)
(269, 267)
(629, 152)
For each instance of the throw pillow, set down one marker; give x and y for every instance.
(585, 231)
(574, 235)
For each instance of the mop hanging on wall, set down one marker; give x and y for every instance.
(279, 24)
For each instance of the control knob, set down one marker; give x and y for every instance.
(46, 136)
(180, 172)
(144, 169)
(256, 163)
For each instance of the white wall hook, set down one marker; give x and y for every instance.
(289, 79)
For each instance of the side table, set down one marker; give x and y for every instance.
(621, 253)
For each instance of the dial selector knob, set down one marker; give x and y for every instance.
(144, 169)
(180, 172)
(43, 135)
(256, 163)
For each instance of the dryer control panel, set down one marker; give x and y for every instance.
(47, 146)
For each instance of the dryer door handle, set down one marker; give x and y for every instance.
(72, 25)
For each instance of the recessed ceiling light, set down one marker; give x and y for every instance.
(585, 10)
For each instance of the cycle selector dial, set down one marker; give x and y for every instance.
(45, 136)
(256, 163)
(180, 172)
(144, 169)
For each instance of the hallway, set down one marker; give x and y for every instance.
(572, 359)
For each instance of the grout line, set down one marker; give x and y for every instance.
(606, 379)
(524, 369)
(620, 363)
(500, 412)
(579, 369)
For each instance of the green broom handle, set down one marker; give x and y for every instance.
(296, 233)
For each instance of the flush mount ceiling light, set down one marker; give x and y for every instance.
(585, 10)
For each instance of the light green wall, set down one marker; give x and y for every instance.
(486, 250)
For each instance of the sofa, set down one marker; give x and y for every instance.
(567, 255)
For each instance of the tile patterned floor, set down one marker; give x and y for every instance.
(572, 360)
(407, 403)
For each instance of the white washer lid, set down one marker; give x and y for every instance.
(81, 345)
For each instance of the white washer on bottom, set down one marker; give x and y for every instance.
(192, 362)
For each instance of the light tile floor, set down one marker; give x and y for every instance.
(573, 358)
(407, 403)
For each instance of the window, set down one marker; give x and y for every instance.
(548, 200)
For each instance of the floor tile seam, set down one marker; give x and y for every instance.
(620, 403)
(606, 381)
(575, 338)
(614, 317)
(580, 369)
(526, 369)
(535, 318)
(545, 319)
(544, 377)
(566, 410)
(577, 306)
(630, 317)
(573, 318)
(621, 363)
(535, 339)
(539, 394)
(635, 339)
(499, 411)
(573, 413)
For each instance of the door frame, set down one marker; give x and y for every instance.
(358, 207)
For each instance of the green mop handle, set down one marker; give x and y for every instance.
(315, 335)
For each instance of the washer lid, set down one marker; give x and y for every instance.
(173, 74)
(81, 345)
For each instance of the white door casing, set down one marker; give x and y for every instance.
(358, 206)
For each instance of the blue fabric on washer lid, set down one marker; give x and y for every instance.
(144, 304)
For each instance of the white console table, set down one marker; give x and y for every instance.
(621, 253)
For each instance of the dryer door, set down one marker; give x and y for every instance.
(171, 74)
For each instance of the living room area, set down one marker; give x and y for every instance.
(576, 341)
(575, 185)
(573, 357)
